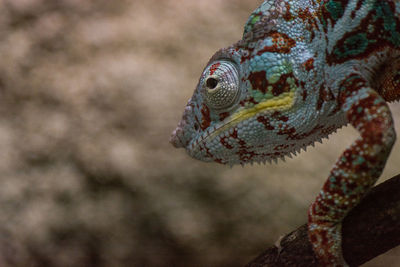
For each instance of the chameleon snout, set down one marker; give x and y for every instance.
(175, 139)
(180, 136)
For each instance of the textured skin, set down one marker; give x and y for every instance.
(302, 70)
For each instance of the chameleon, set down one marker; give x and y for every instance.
(303, 69)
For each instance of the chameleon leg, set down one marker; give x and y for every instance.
(356, 170)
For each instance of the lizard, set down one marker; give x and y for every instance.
(303, 69)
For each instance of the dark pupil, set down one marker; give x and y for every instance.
(211, 83)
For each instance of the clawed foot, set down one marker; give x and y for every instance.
(326, 240)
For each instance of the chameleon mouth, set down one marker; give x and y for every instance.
(175, 139)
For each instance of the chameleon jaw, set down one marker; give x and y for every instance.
(196, 148)
(207, 146)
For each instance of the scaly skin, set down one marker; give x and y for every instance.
(303, 69)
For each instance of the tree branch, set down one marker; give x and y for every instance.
(370, 229)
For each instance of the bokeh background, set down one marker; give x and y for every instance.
(89, 94)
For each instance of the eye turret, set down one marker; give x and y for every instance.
(221, 84)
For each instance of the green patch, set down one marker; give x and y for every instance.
(253, 19)
(390, 23)
(353, 46)
(335, 9)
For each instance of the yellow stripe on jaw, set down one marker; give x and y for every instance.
(282, 102)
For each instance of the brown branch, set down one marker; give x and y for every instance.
(370, 229)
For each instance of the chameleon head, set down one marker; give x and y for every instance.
(236, 112)
(218, 90)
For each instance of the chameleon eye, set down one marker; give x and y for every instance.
(221, 84)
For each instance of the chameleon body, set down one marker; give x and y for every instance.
(303, 69)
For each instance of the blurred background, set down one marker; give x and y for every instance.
(89, 94)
